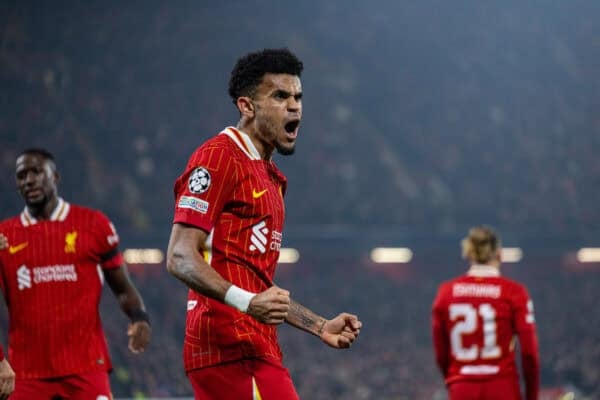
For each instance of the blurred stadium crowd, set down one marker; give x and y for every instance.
(430, 117)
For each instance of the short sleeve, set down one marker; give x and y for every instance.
(205, 186)
(107, 242)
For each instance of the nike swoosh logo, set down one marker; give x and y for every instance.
(256, 195)
(17, 248)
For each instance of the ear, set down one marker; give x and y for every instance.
(56, 177)
(246, 106)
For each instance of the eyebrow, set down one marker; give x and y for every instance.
(286, 94)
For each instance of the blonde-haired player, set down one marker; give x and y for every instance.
(476, 318)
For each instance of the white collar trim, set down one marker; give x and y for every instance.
(483, 271)
(243, 141)
(59, 213)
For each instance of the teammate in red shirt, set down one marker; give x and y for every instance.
(476, 319)
(226, 237)
(52, 274)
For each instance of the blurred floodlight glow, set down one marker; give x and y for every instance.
(588, 255)
(383, 255)
(511, 254)
(143, 256)
(288, 255)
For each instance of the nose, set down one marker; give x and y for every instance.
(294, 105)
(29, 178)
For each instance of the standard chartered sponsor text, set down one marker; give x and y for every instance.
(55, 273)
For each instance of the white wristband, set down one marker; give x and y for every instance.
(238, 298)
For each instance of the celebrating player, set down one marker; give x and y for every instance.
(474, 323)
(50, 277)
(226, 237)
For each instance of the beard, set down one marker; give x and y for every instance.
(37, 202)
(285, 151)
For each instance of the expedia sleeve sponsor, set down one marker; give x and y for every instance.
(193, 203)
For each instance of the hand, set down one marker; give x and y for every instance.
(139, 336)
(341, 331)
(3, 242)
(271, 306)
(7, 379)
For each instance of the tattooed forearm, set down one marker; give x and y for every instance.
(197, 275)
(301, 317)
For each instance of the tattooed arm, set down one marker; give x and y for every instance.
(338, 332)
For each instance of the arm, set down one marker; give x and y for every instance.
(186, 264)
(7, 377)
(526, 330)
(440, 342)
(131, 303)
(339, 332)
(439, 333)
(530, 363)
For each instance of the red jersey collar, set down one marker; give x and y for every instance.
(59, 214)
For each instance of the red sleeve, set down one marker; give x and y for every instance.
(204, 187)
(439, 334)
(107, 242)
(1, 353)
(525, 328)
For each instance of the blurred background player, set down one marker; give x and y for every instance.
(226, 238)
(476, 318)
(52, 284)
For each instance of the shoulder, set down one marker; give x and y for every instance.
(9, 222)
(87, 213)
(218, 145)
(444, 289)
(511, 283)
(447, 284)
(514, 289)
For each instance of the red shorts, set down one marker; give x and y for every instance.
(249, 379)
(88, 386)
(502, 388)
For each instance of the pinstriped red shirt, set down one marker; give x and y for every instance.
(228, 191)
(51, 281)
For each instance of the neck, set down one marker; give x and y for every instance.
(252, 131)
(43, 211)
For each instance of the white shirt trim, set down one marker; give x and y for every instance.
(59, 213)
(479, 370)
(483, 271)
(246, 146)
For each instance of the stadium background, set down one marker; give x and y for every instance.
(421, 119)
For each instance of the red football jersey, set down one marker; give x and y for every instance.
(52, 282)
(475, 321)
(228, 191)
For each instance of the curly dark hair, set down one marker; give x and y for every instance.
(250, 69)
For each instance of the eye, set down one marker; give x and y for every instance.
(281, 95)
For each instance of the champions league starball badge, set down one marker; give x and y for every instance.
(199, 181)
